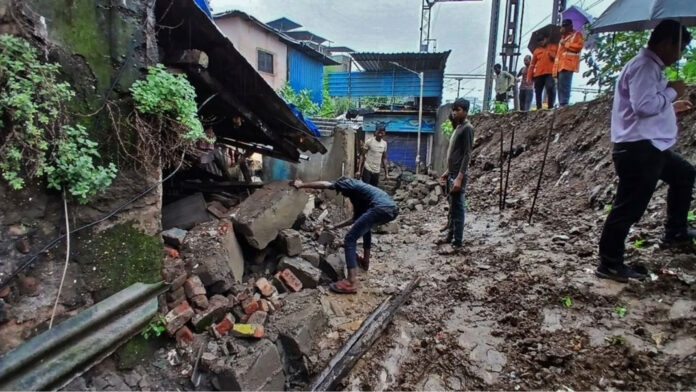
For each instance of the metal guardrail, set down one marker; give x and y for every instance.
(53, 358)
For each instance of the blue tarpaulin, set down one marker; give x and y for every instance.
(203, 4)
(312, 127)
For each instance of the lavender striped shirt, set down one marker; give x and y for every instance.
(643, 103)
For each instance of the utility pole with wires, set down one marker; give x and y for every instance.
(426, 9)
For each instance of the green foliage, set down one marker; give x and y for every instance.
(613, 50)
(620, 311)
(567, 302)
(607, 208)
(36, 139)
(302, 100)
(170, 96)
(155, 327)
(447, 128)
(328, 106)
(615, 340)
(500, 107)
(690, 216)
(639, 243)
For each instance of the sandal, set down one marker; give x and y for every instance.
(343, 287)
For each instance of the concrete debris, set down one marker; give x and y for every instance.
(251, 369)
(308, 274)
(290, 242)
(270, 209)
(311, 256)
(185, 213)
(174, 237)
(334, 266)
(178, 317)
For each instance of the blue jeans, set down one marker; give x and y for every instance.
(526, 99)
(362, 227)
(457, 210)
(565, 80)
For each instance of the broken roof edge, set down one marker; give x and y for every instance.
(236, 75)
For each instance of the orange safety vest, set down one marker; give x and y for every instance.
(542, 61)
(568, 56)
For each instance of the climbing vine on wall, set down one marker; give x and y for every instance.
(36, 139)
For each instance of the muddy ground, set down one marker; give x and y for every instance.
(520, 307)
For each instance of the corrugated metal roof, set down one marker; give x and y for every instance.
(384, 84)
(413, 61)
(236, 87)
(284, 24)
(306, 36)
(339, 49)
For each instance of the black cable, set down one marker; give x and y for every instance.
(51, 244)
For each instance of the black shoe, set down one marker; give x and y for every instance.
(621, 273)
(683, 238)
(443, 240)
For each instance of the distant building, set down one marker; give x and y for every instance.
(278, 56)
(380, 77)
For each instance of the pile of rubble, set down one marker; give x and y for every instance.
(245, 283)
(417, 191)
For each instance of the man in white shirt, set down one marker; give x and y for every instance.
(373, 157)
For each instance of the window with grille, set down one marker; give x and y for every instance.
(265, 61)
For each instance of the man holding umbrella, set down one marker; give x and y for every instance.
(643, 129)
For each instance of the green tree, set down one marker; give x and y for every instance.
(611, 51)
(302, 100)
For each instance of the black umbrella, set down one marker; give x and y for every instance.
(550, 30)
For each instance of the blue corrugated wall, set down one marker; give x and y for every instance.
(401, 148)
(305, 73)
(381, 84)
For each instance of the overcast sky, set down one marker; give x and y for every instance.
(393, 26)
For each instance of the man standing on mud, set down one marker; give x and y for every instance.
(458, 155)
(371, 207)
(643, 129)
(373, 157)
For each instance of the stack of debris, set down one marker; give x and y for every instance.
(422, 190)
(231, 274)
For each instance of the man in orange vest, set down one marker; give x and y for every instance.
(567, 60)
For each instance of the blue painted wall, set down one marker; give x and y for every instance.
(305, 73)
(401, 149)
(381, 84)
(399, 122)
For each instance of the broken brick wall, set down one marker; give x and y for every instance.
(103, 47)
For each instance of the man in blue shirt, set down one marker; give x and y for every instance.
(643, 129)
(371, 207)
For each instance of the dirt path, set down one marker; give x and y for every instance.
(493, 317)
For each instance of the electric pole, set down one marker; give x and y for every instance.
(425, 22)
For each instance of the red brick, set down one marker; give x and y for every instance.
(200, 301)
(223, 327)
(171, 252)
(178, 317)
(184, 336)
(265, 287)
(5, 292)
(250, 306)
(194, 286)
(177, 295)
(290, 280)
(258, 317)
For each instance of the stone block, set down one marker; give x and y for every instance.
(326, 238)
(311, 256)
(270, 209)
(178, 317)
(334, 266)
(174, 237)
(200, 302)
(290, 242)
(215, 312)
(255, 369)
(185, 213)
(308, 274)
(194, 287)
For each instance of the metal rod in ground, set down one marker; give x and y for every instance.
(361, 341)
(507, 175)
(543, 163)
(502, 172)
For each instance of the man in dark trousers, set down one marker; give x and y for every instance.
(371, 207)
(643, 129)
(458, 156)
